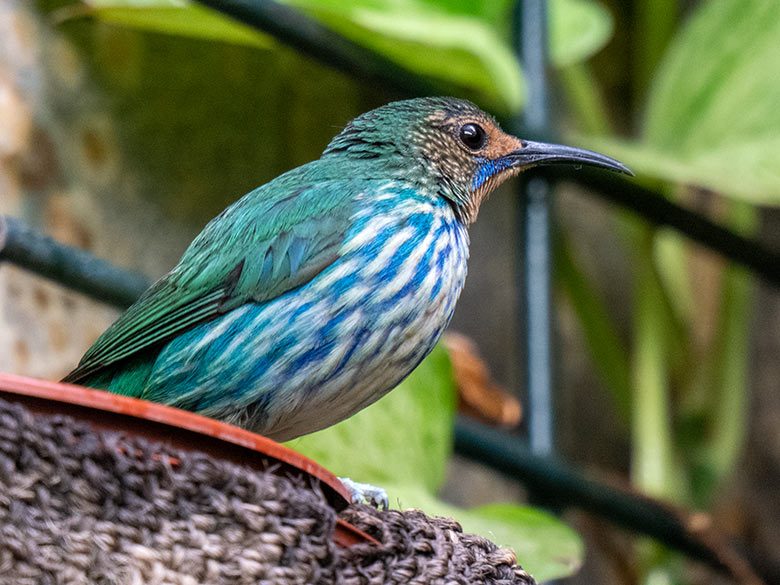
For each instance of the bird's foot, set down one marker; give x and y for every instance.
(371, 494)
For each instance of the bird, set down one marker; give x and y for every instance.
(315, 294)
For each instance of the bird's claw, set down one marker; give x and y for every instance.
(371, 494)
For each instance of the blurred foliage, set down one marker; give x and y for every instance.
(171, 17)
(465, 43)
(710, 122)
(202, 122)
(712, 117)
(578, 29)
(708, 136)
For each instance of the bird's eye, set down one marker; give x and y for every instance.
(472, 135)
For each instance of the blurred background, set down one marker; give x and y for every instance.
(125, 126)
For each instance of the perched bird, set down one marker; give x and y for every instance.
(314, 295)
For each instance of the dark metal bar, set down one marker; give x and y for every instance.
(313, 39)
(561, 486)
(659, 210)
(535, 282)
(531, 45)
(68, 266)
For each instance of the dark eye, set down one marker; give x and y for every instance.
(472, 135)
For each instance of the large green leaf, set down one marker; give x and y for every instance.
(464, 43)
(456, 43)
(178, 18)
(578, 29)
(716, 83)
(748, 169)
(713, 115)
(403, 443)
(451, 42)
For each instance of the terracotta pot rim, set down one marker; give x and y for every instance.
(183, 429)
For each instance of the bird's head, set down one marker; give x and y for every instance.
(451, 147)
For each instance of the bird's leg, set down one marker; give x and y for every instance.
(371, 494)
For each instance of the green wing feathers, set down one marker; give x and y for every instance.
(161, 313)
(257, 249)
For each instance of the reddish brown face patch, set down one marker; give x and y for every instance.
(499, 143)
(458, 163)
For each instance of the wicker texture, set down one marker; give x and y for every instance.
(84, 507)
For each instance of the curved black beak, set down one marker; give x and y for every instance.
(540, 153)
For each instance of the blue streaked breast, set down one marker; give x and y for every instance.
(319, 353)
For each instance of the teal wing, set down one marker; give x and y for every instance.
(257, 249)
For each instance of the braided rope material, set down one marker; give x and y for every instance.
(79, 506)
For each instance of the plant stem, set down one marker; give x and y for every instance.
(608, 352)
(730, 402)
(585, 99)
(652, 430)
(655, 22)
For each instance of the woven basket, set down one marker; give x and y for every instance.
(84, 504)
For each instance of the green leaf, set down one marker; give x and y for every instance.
(578, 29)
(177, 18)
(715, 82)
(749, 171)
(465, 43)
(459, 44)
(545, 547)
(713, 118)
(432, 39)
(405, 438)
